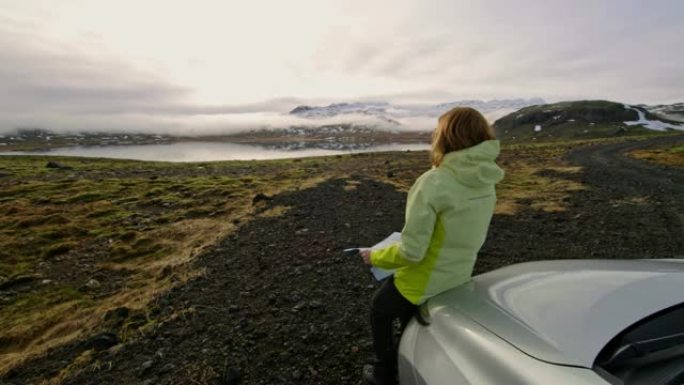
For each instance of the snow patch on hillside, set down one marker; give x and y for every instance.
(669, 111)
(655, 125)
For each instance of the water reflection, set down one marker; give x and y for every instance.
(208, 151)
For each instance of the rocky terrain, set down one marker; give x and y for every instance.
(277, 302)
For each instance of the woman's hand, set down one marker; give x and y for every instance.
(365, 255)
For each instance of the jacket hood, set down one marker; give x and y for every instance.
(475, 166)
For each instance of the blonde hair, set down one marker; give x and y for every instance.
(457, 129)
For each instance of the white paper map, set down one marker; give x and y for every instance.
(379, 273)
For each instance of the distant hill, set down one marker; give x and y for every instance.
(576, 119)
(668, 111)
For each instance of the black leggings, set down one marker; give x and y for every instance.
(388, 305)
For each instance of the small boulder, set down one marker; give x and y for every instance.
(302, 231)
(102, 341)
(57, 165)
(118, 313)
(261, 197)
(231, 376)
(8, 283)
(145, 367)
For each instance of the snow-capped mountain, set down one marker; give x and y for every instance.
(393, 114)
(489, 108)
(669, 111)
(377, 108)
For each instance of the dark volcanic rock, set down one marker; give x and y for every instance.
(261, 197)
(118, 313)
(232, 376)
(145, 368)
(57, 165)
(8, 283)
(102, 341)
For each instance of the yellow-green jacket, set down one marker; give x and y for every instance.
(447, 216)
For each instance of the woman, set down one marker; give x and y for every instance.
(448, 211)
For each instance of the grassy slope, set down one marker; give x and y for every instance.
(570, 120)
(136, 226)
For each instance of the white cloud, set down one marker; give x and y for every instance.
(211, 65)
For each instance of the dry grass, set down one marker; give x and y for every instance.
(145, 230)
(536, 177)
(523, 186)
(671, 156)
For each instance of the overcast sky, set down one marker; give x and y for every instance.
(219, 65)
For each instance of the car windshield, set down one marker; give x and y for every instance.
(649, 352)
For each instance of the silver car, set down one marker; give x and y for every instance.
(553, 323)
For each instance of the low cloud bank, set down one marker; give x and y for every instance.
(193, 125)
(205, 124)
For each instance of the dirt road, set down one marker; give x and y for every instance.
(609, 163)
(646, 199)
(627, 209)
(280, 304)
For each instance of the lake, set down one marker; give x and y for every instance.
(216, 151)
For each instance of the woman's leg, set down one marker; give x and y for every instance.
(388, 304)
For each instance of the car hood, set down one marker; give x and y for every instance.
(565, 312)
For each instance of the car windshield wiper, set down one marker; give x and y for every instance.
(666, 347)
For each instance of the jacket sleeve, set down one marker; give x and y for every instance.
(417, 232)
